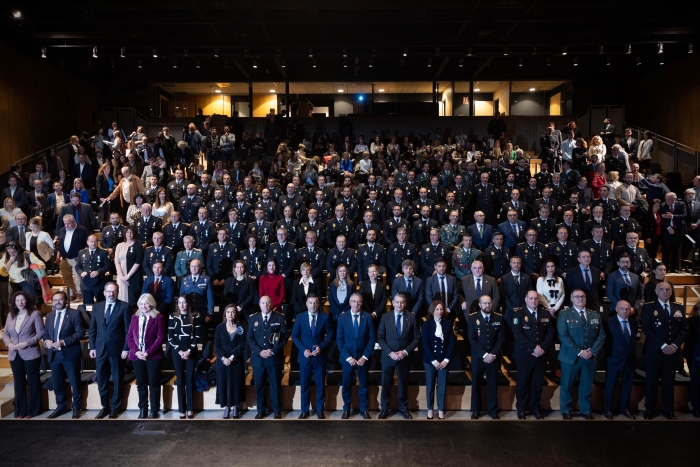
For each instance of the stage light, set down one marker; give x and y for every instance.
(629, 49)
(576, 62)
(600, 50)
(197, 64)
(477, 90)
(140, 64)
(505, 51)
(217, 90)
(564, 50)
(520, 62)
(370, 63)
(532, 89)
(43, 52)
(340, 90)
(283, 64)
(381, 90)
(461, 62)
(639, 60)
(405, 51)
(469, 51)
(607, 61)
(216, 52)
(122, 52)
(345, 52)
(255, 63)
(430, 63)
(155, 53)
(690, 48)
(94, 52)
(660, 48)
(345, 63)
(360, 98)
(314, 63)
(16, 14)
(272, 90)
(174, 63)
(311, 52)
(661, 60)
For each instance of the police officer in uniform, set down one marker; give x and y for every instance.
(452, 234)
(367, 224)
(245, 211)
(158, 253)
(545, 227)
(205, 190)
(485, 331)
(112, 235)
(374, 205)
(290, 224)
(575, 230)
(601, 251)
(313, 225)
(323, 209)
(217, 207)
(261, 229)
(185, 256)
(313, 255)
(92, 265)
(339, 225)
(340, 254)
(198, 283)
(174, 232)
(178, 187)
(286, 255)
(189, 205)
(431, 251)
(235, 230)
(497, 257)
(420, 231)
(564, 251)
(399, 252)
(220, 260)
(203, 231)
(533, 330)
(268, 206)
(533, 253)
(254, 258)
(485, 199)
(267, 336)
(392, 224)
(665, 327)
(294, 201)
(463, 257)
(147, 224)
(622, 225)
(370, 253)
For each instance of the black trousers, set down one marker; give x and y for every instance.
(660, 365)
(402, 369)
(92, 294)
(479, 369)
(60, 369)
(625, 375)
(107, 366)
(528, 389)
(184, 370)
(671, 256)
(695, 384)
(26, 379)
(262, 373)
(148, 378)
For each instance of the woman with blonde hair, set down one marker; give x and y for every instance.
(73, 148)
(79, 187)
(598, 148)
(10, 211)
(39, 242)
(613, 178)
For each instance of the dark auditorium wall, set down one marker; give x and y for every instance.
(40, 105)
(667, 101)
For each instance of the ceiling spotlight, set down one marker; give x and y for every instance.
(370, 63)
(661, 60)
(217, 90)
(639, 60)
(690, 48)
(122, 52)
(345, 63)
(607, 61)
(381, 90)
(629, 49)
(532, 89)
(430, 63)
(549, 61)
(469, 51)
(16, 14)
(405, 51)
(272, 90)
(401, 62)
(520, 62)
(534, 50)
(197, 64)
(284, 64)
(600, 49)
(477, 90)
(314, 63)
(564, 50)
(155, 53)
(345, 52)
(226, 63)
(111, 63)
(216, 52)
(311, 52)
(505, 51)
(660, 48)
(576, 62)
(94, 52)
(43, 52)
(174, 63)
(140, 64)
(255, 63)
(461, 62)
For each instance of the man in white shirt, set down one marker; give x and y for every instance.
(567, 147)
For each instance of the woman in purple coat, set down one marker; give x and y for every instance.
(145, 341)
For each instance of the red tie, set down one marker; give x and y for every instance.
(155, 286)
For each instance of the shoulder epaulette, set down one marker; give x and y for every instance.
(472, 314)
(649, 303)
(517, 308)
(497, 313)
(257, 312)
(678, 303)
(278, 312)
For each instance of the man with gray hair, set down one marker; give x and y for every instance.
(71, 238)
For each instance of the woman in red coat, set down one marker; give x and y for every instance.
(597, 179)
(272, 284)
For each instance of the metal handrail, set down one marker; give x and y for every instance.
(658, 136)
(685, 294)
(35, 156)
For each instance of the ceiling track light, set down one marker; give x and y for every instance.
(520, 62)
(313, 63)
(576, 62)
(155, 53)
(639, 60)
(405, 51)
(629, 49)
(660, 48)
(661, 60)
(430, 63)
(534, 50)
(111, 63)
(174, 63)
(197, 64)
(94, 52)
(284, 63)
(461, 62)
(370, 63)
(505, 51)
(345, 52)
(255, 63)
(345, 63)
(564, 50)
(600, 49)
(140, 64)
(43, 52)
(469, 51)
(216, 52)
(607, 61)
(122, 52)
(311, 52)
(690, 48)
(549, 61)
(16, 14)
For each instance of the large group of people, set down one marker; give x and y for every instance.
(458, 235)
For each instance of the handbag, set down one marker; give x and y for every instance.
(28, 274)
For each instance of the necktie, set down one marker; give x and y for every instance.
(668, 312)
(588, 278)
(265, 321)
(672, 217)
(92, 254)
(583, 316)
(517, 279)
(625, 330)
(189, 253)
(515, 230)
(157, 251)
(108, 313)
(443, 292)
(355, 324)
(627, 280)
(478, 287)
(57, 326)
(409, 288)
(481, 232)
(313, 325)
(398, 325)
(155, 286)
(534, 316)
(487, 319)
(371, 249)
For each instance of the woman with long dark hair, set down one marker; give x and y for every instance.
(438, 343)
(240, 289)
(183, 336)
(128, 258)
(272, 284)
(230, 345)
(14, 262)
(340, 290)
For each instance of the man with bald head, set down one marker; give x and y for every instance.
(92, 265)
(621, 345)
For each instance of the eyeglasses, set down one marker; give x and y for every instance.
(12, 245)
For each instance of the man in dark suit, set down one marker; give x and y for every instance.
(62, 334)
(533, 330)
(641, 262)
(480, 231)
(398, 336)
(673, 229)
(486, 339)
(355, 338)
(515, 285)
(587, 278)
(624, 285)
(621, 345)
(267, 336)
(485, 200)
(108, 327)
(628, 143)
(71, 240)
(38, 189)
(19, 231)
(513, 230)
(82, 213)
(92, 264)
(161, 287)
(475, 285)
(312, 333)
(442, 286)
(158, 252)
(84, 171)
(665, 327)
(199, 284)
(15, 192)
(410, 285)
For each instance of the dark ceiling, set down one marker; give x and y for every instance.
(460, 39)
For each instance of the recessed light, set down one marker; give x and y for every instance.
(16, 14)
(477, 90)
(532, 89)
(381, 90)
(217, 90)
(155, 53)
(340, 90)
(272, 90)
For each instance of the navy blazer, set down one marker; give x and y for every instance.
(509, 236)
(373, 303)
(618, 350)
(337, 308)
(432, 292)
(165, 294)
(353, 346)
(434, 348)
(77, 243)
(109, 338)
(618, 290)
(679, 218)
(51, 199)
(88, 217)
(303, 339)
(416, 302)
(70, 333)
(389, 341)
(574, 280)
(298, 301)
(481, 242)
(514, 294)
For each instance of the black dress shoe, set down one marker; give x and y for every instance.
(608, 415)
(259, 416)
(670, 415)
(277, 416)
(648, 415)
(521, 416)
(76, 414)
(366, 415)
(346, 415)
(406, 415)
(57, 413)
(475, 415)
(383, 414)
(627, 414)
(495, 416)
(102, 413)
(566, 416)
(696, 413)
(153, 415)
(303, 415)
(321, 415)
(587, 416)
(538, 416)
(143, 414)
(113, 414)
(682, 372)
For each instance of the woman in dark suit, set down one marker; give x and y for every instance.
(300, 290)
(230, 345)
(652, 229)
(105, 186)
(438, 342)
(339, 294)
(183, 335)
(145, 341)
(48, 215)
(373, 303)
(23, 330)
(241, 290)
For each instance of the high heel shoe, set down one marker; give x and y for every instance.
(190, 415)
(443, 416)
(235, 415)
(227, 412)
(430, 414)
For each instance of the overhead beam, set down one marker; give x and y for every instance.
(444, 63)
(240, 67)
